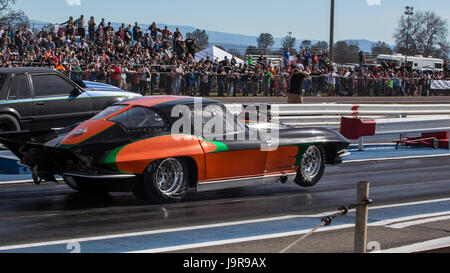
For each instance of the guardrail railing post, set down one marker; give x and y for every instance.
(362, 211)
(361, 144)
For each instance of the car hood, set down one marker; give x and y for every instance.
(102, 89)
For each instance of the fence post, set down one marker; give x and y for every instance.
(361, 144)
(361, 217)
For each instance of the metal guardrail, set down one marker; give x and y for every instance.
(300, 115)
(383, 119)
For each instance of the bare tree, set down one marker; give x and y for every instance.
(5, 4)
(11, 17)
(424, 33)
(15, 18)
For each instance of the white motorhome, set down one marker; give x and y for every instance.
(417, 62)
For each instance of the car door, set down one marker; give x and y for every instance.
(57, 102)
(19, 98)
(231, 152)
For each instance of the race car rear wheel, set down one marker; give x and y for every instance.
(311, 167)
(164, 181)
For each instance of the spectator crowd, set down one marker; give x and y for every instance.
(159, 61)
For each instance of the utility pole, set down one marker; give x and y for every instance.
(332, 33)
(290, 36)
(409, 12)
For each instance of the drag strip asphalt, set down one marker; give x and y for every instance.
(50, 212)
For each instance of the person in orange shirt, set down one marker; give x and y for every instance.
(60, 68)
(47, 55)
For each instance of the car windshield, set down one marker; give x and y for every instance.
(139, 117)
(109, 111)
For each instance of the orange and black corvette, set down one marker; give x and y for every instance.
(131, 147)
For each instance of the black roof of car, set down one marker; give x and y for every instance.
(11, 70)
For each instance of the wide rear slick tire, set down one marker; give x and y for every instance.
(312, 166)
(164, 181)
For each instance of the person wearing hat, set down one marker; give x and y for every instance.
(296, 77)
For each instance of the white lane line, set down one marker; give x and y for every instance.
(419, 222)
(239, 240)
(393, 158)
(420, 247)
(94, 238)
(16, 182)
(23, 182)
(411, 203)
(407, 219)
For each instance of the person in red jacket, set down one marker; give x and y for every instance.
(115, 75)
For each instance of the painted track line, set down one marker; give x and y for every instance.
(239, 240)
(393, 158)
(187, 242)
(18, 182)
(105, 237)
(420, 247)
(419, 222)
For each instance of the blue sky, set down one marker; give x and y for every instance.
(307, 19)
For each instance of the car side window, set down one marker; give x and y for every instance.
(139, 117)
(51, 86)
(217, 121)
(19, 88)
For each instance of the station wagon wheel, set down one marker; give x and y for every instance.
(9, 124)
(312, 166)
(164, 181)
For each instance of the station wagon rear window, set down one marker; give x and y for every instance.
(51, 86)
(2, 79)
(19, 88)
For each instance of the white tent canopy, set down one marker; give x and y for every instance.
(215, 53)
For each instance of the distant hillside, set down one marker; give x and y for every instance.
(228, 40)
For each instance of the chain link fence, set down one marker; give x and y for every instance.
(213, 84)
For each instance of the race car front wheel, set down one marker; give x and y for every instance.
(311, 167)
(164, 181)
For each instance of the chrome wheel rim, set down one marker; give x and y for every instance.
(311, 162)
(170, 177)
